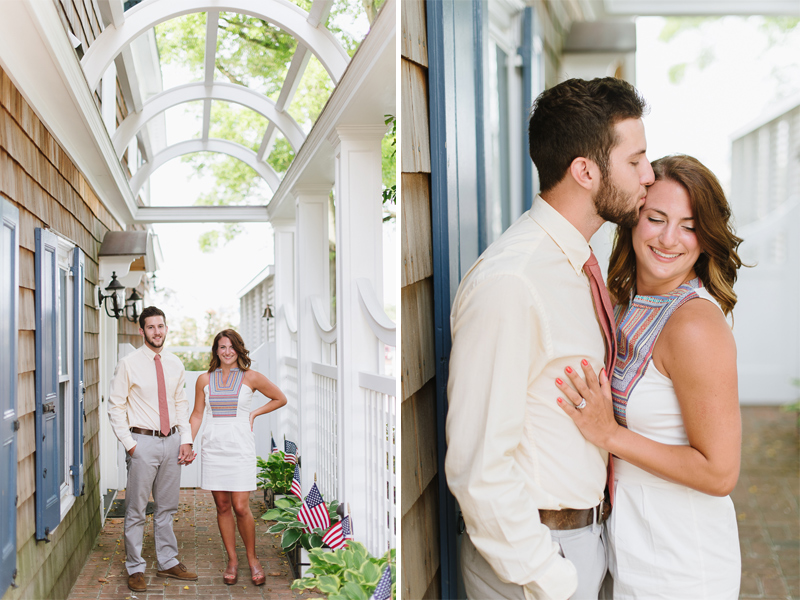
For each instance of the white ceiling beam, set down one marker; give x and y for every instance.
(212, 29)
(150, 13)
(233, 149)
(701, 7)
(201, 214)
(293, 76)
(320, 9)
(112, 12)
(229, 92)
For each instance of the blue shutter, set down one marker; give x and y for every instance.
(78, 385)
(48, 450)
(9, 300)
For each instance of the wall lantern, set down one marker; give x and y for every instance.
(116, 294)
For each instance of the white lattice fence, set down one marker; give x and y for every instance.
(381, 451)
(327, 431)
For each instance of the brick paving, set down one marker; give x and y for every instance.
(104, 576)
(767, 500)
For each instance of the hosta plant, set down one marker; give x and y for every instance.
(350, 573)
(275, 473)
(286, 523)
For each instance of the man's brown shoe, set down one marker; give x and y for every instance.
(136, 582)
(178, 572)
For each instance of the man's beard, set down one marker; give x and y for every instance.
(150, 341)
(612, 205)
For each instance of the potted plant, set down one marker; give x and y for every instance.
(349, 573)
(274, 476)
(292, 530)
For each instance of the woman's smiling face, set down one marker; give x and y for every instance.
(664, 240)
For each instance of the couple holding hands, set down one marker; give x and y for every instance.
(149, 414)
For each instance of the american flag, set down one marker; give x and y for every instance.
(274, 448)
(384, 589)
(290, 452)
(338, 535)
(297, 490)
(314, 513)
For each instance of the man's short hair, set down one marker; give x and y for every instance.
(577, 118)
(151, 311)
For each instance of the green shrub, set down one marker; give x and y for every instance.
(285, 516)
(275, 473)
(350, 573)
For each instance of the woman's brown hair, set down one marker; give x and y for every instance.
(718, 262)
(243, 356)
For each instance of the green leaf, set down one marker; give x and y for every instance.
(272, 514)
(371, 573)
(353, 591)
(329, 584)
(277, 528)
(285, 503)
(333, 558)
(289, 539)
(315, 541)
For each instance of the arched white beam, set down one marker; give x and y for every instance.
(189, 92)
(233, 149)
(150, 13)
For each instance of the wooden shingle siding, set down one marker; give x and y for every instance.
(416, 150)
(417, 257)
(38, 177)
(420, 479)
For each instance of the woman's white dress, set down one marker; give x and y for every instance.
(667, 540)
(228, 451)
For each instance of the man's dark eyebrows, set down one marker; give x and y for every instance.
(638, 153)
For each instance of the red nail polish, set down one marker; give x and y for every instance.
(585, 362)
(558, 381)
(560, 401)
(568, 369)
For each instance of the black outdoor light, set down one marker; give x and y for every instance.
(116, 291)
(133, 303)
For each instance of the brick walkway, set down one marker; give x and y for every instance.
(767, 500)
(104, 576)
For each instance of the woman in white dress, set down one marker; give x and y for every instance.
(670, 413)
(228, 452)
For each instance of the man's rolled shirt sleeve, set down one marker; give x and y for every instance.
(499, 347)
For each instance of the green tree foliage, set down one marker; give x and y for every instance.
(389, 169)
(257, 54)
(188, 332)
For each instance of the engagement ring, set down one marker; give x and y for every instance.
(582, 404)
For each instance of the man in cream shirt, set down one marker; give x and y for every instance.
(150, 415)
(529, 486)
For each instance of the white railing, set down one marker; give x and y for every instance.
(326, 414)
(381, 448)
(291, 418)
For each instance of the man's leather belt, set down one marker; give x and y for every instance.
(572, 518)
(154, 433)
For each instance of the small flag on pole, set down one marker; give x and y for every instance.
(273, 448)
(338, 535)
(290, 452)
(314, 513)
(384, 589)
(297, 490)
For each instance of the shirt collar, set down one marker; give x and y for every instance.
(562, 232)
(147, 352)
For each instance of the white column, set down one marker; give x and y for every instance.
(284, 344)
(312, 280)
(359, 254)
